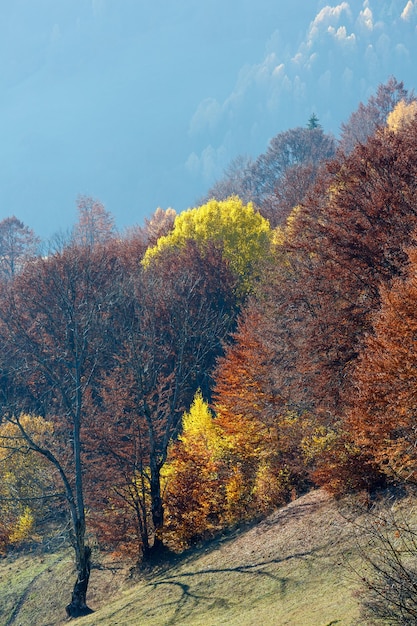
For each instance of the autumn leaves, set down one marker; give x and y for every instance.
(188, 375)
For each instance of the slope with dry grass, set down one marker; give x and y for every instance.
(290, 569)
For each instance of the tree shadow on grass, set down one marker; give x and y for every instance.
(190, 599)
(283, 516)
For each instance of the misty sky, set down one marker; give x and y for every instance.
(142, 104)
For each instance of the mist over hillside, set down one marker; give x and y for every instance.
(144, 104)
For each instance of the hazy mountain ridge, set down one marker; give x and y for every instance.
(145, 105)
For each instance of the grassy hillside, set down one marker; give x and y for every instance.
(288, 570)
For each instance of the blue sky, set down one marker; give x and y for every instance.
(142, 104)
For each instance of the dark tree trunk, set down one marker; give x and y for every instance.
(157, 509)
(78, 605)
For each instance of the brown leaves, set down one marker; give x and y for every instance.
(347, 240)
(382, 417)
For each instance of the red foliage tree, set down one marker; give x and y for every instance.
(52, 324)
(234, 181)
(340, 246)
(172, 320)
(345, 242)
(290, 191)
(278, 179)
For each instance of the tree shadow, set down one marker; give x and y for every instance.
(281, 517)
(189, 599)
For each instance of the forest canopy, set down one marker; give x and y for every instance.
(163, 384)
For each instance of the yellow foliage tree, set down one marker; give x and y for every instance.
(23, 527)
(198, 423)
(241, 463)
(25, 480)
(402, 115)
(194, 496)
(243, 234)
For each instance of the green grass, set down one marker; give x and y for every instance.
(288, 570)
(21, 592)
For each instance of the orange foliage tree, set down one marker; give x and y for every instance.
(245, 459)
(317, 303)
(263, 452)
(195, 477)
(345, 241)
(382, 416)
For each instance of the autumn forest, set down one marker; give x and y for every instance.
(163, 384)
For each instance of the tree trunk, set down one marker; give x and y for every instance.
(78, 605)
(157, 511)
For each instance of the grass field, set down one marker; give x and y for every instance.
(290, 569)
